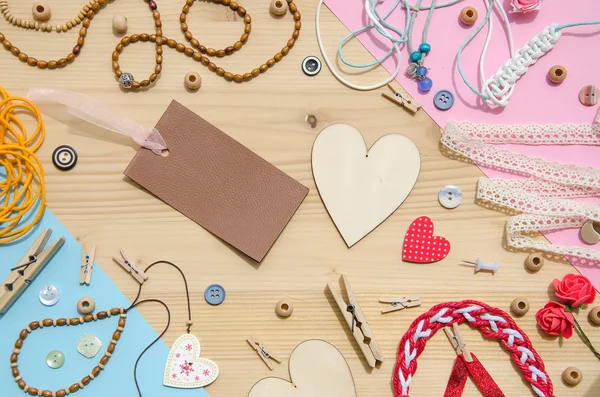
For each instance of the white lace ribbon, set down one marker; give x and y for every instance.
(544, 199)
(93, 111)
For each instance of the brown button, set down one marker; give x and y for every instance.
(590, 232)
(589, 95)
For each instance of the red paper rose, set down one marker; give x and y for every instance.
(575, 290)
(553, 319)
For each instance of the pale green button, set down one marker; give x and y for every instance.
(55, 359)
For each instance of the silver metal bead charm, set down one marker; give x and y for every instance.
(126, 80)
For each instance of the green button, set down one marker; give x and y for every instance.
(55, 359)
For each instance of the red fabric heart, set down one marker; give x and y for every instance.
(421, 246)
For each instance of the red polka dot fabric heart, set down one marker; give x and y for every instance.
(421, 246)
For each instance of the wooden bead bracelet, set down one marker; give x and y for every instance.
(126, 80)
(61, 322)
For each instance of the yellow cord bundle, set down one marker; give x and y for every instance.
(24, 175)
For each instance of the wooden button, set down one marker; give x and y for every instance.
(86, 305)
(468, 15)
(557, 74)
(590, 232)
(519, 306)
(594, 315)
(192, 81)
(589, 95)
(284, 308)
(41, 12)
(534, 262)
(119, 23)
(572, 376)
(278, 7)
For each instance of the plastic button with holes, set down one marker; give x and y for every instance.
(443, 100)
(214, 294)
(450, 197)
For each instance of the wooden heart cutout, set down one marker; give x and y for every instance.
(421, 246)
(361, 188)
(317, 369)
(185, 368)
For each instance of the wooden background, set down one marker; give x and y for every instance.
(100, 206)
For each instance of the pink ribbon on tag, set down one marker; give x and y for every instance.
(93, 111)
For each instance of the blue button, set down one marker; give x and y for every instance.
(443, 100)
(214, 294)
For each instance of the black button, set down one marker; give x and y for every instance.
(311, 65)
(64, 157)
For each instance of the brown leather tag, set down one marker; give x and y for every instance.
(218, 183)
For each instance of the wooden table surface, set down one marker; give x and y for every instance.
(99, 205)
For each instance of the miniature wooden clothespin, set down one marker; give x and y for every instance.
(458, 343)
(87, 263)
(401, 98)
(262, 351)
(27, 268)
(131, 268)
(358, 324)
(400, 303)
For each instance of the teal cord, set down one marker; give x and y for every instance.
(571, 25)
(401, 36)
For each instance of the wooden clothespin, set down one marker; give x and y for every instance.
(131, 268)
(87, 263)
(458, 343)
(400, 303)
(262, 351)
(358, 324)
(27, 268)
(403, 99)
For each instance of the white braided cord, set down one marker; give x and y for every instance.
(499, 86)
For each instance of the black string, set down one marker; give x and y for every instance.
(136, 303)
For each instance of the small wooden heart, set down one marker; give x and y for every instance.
(317, 369)
(185, 368)
(361, 188)
(421, 246)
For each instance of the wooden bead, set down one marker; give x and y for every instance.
(237, 45)
(263, 68)
(297, 16)
(23, 334)
(32, 391)
(70, 58)
(47, 322)
(271, 63)
(192, 81)
(247, 76)
(76, 50)
(31, 61)
(21, 384)
(229, 50)
(594, 315)
(238, 78)
(87, 318)
(74, 387)
(46, 393)
(60, 393)
(590, 232)
(19, 343)
(534, 262)
(278, 57)
(7, 44)
(297, 25)
(285, 50)
(104, 360)
(75, 321)
(557, 74)
(468, 15)
(14, 358)
(228, 76)
(233, 5)
(180, 47)
(41, 12)
(255, 72)
(23, 57)
(284, 308)
(293, 7)
(115, 310)
(86, 305)
(220, 53)
(116, 335)
(96, 371)
(247, 19)
(111, 348)
(212, 66)
(572, 376)
(278, 7)
(15, 51)
(189, 51)
(86, 380)
(519, 306)
(211, 52)
(220, 71)
(61, 321)
(241, 11)
(244, 38)
(120, 24)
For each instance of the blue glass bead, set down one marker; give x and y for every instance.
(425, 48)
(415, 56)
(425, 84)
(422, 71)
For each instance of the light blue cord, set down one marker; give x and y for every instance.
(402, 36)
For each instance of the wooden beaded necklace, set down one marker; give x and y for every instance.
(44, 27)
(97, 370)
(126, 80)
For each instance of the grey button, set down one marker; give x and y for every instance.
(214, 294)
(89, 345)
(49, 295)
(450, 197)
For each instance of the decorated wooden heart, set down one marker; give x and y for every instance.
(421, 246)
(185, 368)
(317, 369)
(361, 188)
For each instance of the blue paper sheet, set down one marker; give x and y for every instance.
(63, 272)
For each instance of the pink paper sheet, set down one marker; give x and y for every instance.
(535, 100)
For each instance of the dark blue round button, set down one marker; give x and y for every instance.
(214, 294)
(443, 100)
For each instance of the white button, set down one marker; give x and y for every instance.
(89, 345)
(49, 295)
(450, 197)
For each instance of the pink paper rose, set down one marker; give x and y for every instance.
(525, 6)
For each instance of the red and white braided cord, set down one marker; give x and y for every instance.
(493, 323)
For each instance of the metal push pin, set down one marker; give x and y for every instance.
(482, 265)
